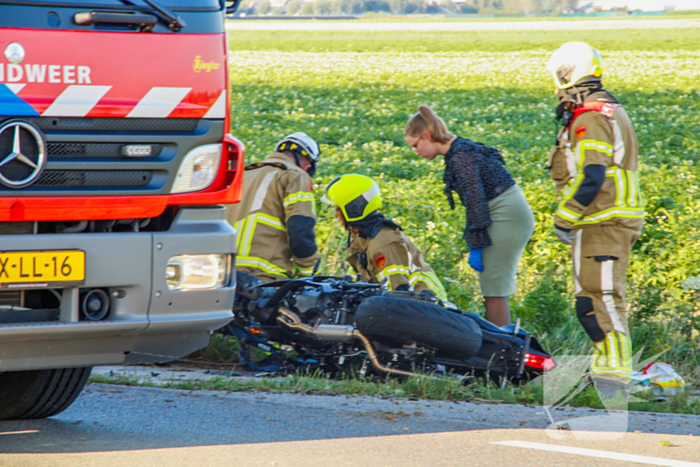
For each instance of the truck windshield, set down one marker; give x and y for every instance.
(129, 16)
(175, 5)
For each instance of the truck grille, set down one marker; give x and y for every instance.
(140, 125)
(92, 150)
(111, 178)
(11, 298)
(85, 156)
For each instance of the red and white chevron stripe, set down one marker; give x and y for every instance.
(118, 75)
(80, 100)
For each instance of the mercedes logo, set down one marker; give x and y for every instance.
(14, 53)
(22, 154)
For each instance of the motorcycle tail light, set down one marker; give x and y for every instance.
(539, 361)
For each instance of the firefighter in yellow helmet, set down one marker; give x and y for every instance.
(276, 217)
(600, 210)
(378, 250)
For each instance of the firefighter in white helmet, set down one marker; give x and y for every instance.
(377, 248)
(601, 209)
(276, 217)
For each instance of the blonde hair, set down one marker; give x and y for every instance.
(427, 120)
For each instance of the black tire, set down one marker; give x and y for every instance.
(39, 393)
(454, 334)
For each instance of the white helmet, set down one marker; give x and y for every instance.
(573, 63)
(303, 144)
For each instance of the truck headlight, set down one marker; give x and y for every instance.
(196, 272)
(198, 169)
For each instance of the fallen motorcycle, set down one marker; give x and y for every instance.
(341, 326)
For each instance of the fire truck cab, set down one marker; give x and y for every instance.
(115, 166)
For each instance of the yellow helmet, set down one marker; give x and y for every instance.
(573, 63)
(356, 195)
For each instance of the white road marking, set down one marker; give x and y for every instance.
(25, 432)
(252, 25)
(599, 454)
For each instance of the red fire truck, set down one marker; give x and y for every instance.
(115, 164)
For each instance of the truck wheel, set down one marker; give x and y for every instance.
(39, 393)
(398, 320)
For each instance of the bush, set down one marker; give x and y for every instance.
(547, 307)
(307, 9)
(339, 7)
(467, 9)
(263, 7)
(294, 6)
(322, 7)
(406, 7)
(247, 7)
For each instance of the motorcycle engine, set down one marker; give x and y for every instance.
(313, 305)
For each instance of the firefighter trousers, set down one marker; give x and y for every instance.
(600, 257)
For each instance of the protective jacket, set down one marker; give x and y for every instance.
(393, 256)
(595, 166)
(275, 221)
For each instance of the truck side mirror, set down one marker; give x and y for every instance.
(232, 6)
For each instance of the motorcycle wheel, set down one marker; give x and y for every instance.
(407, 321)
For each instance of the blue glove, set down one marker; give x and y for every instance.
(475, 259)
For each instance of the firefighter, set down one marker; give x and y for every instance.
(276, 217)
(378, 250)
(600, 210)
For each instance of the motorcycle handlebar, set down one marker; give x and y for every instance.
(282, 292)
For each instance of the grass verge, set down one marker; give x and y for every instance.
(413, 388)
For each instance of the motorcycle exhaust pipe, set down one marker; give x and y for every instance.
(375, 361)
(322, 332)
(337, 333)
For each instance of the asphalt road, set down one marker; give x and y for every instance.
(116, 425)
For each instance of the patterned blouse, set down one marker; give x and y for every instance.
(478, 174)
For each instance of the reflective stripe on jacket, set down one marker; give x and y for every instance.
(391, 255)
(600, 142)
(273, 191)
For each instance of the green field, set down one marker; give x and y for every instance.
(353, 92)
(637, 40)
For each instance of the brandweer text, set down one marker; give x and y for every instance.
(59, 74)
